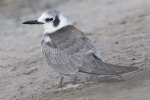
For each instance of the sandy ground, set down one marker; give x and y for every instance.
(120, 29)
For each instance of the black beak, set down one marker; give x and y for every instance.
(32, 22)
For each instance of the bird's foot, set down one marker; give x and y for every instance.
(60, 85)
(74, 81)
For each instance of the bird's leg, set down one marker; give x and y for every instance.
(75, 80)
(121, 77)
(61, 83)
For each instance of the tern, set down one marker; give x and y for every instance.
(68, 51)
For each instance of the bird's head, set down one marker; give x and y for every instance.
(51, 21)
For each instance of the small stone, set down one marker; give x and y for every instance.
(116, 42)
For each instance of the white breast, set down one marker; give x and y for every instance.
(47, 39)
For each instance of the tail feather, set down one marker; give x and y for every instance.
(110, 69)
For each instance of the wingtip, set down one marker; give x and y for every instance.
(130, 69)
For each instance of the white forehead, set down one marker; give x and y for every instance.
(47, 15)
(53, 14)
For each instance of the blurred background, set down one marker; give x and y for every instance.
(120, 29)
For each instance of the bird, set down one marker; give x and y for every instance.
(69, 51)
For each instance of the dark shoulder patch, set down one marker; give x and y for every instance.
(96, 57)
(51, 44)
(56, 21)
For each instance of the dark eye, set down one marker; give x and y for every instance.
(48, 19)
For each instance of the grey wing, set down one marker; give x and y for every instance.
(60, 54)
(68, 53)
(71, 53)
(92, 62)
